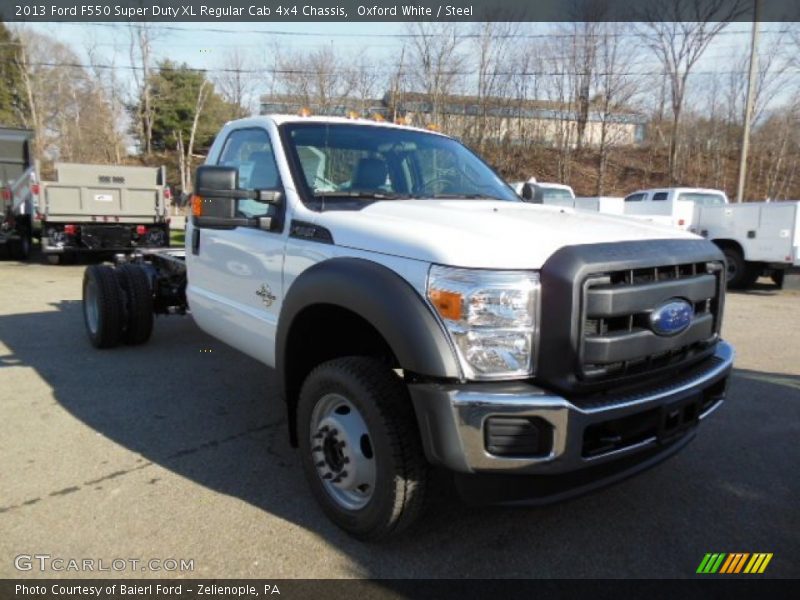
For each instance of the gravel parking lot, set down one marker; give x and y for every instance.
(177, 450)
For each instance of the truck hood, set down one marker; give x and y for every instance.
(480, 233)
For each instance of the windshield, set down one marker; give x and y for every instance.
(702, 199)
(367, 163)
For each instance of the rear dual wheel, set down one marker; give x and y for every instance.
(740, 274)
(21, 248)
(103, 309)
(139, 304)
(117, 305)
(65, 258)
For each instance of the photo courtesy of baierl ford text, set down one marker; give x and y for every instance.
(475, 299)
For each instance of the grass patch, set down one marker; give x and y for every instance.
(177, 237)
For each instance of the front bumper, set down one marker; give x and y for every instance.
(452, 420)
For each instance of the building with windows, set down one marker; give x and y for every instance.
(504, 120)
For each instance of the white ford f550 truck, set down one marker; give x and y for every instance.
(418, 314)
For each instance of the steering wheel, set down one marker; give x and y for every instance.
(442, 180)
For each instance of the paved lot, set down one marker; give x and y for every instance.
(174, 450)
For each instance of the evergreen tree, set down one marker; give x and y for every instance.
(13, 99)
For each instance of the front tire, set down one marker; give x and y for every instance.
(360, 447)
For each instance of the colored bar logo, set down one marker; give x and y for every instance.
(734, 563)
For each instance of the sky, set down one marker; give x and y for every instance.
(195, 44)
(204, 45)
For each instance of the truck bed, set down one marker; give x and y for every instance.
(104, 193)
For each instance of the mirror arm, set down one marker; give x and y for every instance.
(265, 196)
(263, 223)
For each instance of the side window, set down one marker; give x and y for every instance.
(659, 196)
(635, 198)
(250, 150)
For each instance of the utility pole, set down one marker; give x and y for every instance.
(748, 111)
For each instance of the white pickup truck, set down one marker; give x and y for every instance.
(540, 192)
(417, 313)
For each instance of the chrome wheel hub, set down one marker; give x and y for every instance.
(341, 450)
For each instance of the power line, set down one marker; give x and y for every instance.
(379, 69)
(320, 34)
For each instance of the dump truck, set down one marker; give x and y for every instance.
(102, 209)
(19, 221)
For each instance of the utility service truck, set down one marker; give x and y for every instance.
(757, 238)
(102, 209)
(417, 313)
(19, 222)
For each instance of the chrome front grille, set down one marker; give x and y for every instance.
(615, 338)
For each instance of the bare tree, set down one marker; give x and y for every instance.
(142, 35)
(435, 62)
(492, 42)
(106, 84)
(202, 95)
(615, 89)
(397, 86)
(581, 48)
(559, 89)
(235, 81)
(68, 110)
(678, 33)
(525, 64)
(771, 78)
(365, 82)
(32, 120)
(778, 145)
(314, 78)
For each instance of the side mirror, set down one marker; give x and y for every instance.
(216, 194)
(528, 192)
(214, 189)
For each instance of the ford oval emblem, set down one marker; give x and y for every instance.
(672, 317)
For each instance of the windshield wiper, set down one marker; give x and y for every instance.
(462, 197)
(357, 195)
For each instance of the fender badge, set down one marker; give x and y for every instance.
(266, 295)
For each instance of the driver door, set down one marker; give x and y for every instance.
(235, 285)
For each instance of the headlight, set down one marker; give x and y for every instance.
(491, 317)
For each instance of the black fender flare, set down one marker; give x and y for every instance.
(381, 297)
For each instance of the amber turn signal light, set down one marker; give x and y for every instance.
(197, 205)
(447, 304)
